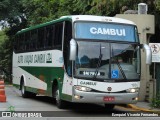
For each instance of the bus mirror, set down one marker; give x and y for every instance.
(148, 53)
(73, 49)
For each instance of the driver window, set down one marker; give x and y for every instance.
(66, 47)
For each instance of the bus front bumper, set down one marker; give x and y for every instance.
(106, 98)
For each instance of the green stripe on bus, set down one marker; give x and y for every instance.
(46, 74)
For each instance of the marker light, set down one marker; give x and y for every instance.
(135, 99)
(77, 97)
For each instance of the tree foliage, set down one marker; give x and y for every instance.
(5, 59)
(9, 8)
(38, 11)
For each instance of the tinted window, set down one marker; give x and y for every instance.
(27, 41)
(66, 47)
(41, 37)
(49, 37)
(34, 39)
(58, 34)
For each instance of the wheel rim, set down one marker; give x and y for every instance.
(57, 96)
(22, 90)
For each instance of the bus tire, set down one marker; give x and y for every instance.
(24, 93)
(59, 102)
(109, 107)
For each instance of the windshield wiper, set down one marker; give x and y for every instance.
(119, 66)
(98, 64)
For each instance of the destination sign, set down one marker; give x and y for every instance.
(105, 31)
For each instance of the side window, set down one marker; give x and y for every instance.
(34, 39)
(66, 47)
(49, 37)
(54, 35)
(27, 41)
(41, 34)
(58, 35)
(31, 42)
(21, 42)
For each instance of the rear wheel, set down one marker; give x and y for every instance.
(25, 93)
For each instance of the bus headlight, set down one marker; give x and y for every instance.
(82, 88)
(132, 90)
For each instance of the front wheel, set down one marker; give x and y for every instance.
(59, 102)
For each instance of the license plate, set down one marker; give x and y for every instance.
(108, 98)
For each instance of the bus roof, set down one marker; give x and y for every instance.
(74, 18)
(98, 19)
(42, 25)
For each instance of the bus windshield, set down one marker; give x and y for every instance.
(107, 61)
(105, 31)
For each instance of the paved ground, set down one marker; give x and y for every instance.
(41, 103)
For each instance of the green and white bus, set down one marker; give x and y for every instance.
(80, 59)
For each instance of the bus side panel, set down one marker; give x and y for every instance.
(39, 69)
(67, 88)
(31, 81)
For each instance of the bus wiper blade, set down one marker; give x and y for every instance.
(98, 64)
(119, 66)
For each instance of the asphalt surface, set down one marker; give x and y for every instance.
(45, 107)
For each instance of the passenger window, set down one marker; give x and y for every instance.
(21, 42)
(34, 39)
(49, 37)
(58, 35)
(41, 35)
(27, 41)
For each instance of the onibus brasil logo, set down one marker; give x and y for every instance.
(9, 112)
